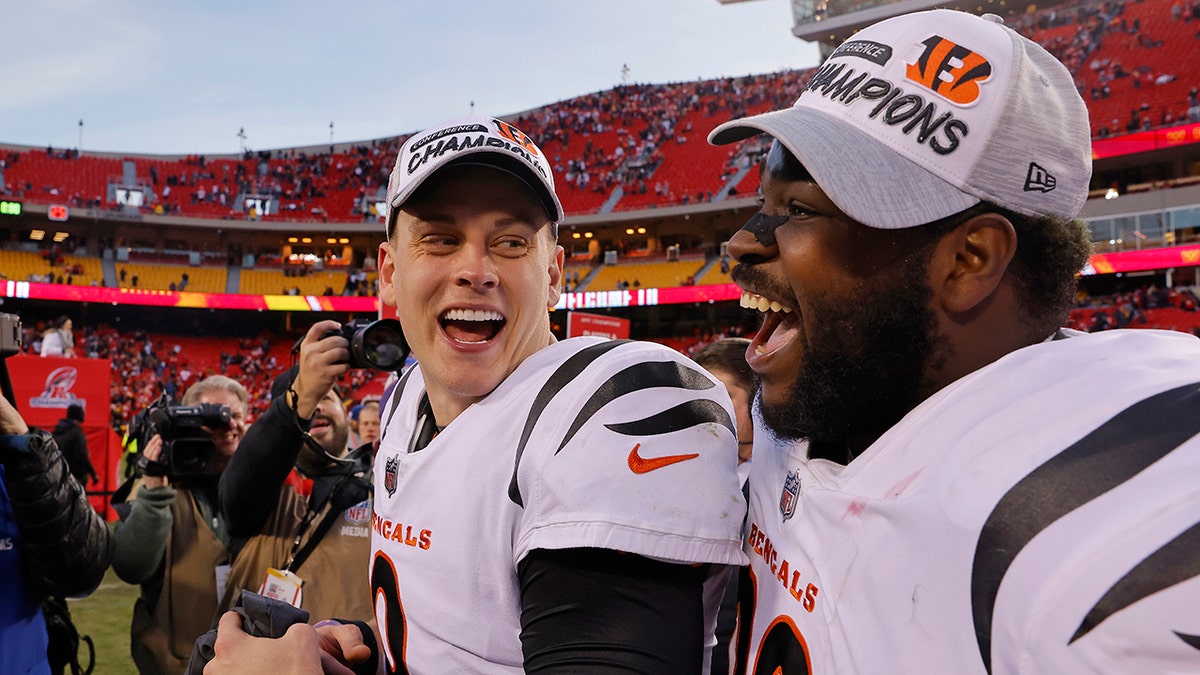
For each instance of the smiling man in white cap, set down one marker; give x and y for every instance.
(945, 481)
(539, 506)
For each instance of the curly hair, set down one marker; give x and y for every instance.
(1051, 251)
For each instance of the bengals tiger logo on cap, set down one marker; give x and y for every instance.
(950, 70)
(516, 136)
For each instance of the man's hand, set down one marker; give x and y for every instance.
(298, 652)
(341, 644)
(322, 362)
(153, 452)
(11, 423)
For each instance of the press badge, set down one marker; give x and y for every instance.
(282, 585)
(222, 574)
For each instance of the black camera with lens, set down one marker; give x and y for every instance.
(378, 344)
(188, 450)
(10, 335)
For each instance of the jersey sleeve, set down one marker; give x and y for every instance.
(637, 453)
(1112, 587)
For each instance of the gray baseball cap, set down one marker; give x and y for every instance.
(921, 116)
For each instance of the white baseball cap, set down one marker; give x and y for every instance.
(921, 116)
(477, 140)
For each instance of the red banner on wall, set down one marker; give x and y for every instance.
(1147, 259)
(1145, 141)
(134, 296)
(45, 387)
(611, 327)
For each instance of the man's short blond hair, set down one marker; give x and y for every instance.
(217, 383)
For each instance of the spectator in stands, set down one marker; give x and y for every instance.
(932, 429)
(59, 340)
(52, 542)
(320, 541)
(72, 442)
(172, 540)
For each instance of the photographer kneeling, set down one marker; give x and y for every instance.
(171, 539)
(309, 550)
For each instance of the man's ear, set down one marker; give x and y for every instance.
(970, 262)
(387, 269)
(556, 276)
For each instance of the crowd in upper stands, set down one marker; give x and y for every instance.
(1149, 306)
(145, 366)
(619, 138)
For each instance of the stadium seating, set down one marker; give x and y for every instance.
(1131, 60)
(159, 277)
(713, 276)
(274, 282)
(629, 141)
(659, 274)
(634, 137)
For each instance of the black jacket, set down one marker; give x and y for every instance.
(66, 543)
(73, 444)
(256, 473)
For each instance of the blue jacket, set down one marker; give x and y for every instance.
(52, 542)
(22, 629)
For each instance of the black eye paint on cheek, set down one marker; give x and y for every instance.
(763, 227)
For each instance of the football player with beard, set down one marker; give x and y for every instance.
(944, 481)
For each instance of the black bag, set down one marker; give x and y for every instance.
(64, 639)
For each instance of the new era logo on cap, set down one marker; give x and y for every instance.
(1038, 178)
(478, 140)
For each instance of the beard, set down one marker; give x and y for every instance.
(864, 365)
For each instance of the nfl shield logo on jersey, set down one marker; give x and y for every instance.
(391, 474)
(791, 494)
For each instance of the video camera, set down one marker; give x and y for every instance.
(376, 344)
(10, 335)
(10, 345)
(188, 450)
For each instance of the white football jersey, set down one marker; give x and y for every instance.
(1037, 516)
(589, 443)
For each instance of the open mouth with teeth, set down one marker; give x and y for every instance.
(471, 326)
(779, 325)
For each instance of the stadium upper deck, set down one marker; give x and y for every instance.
(630, 148)
(635, 174)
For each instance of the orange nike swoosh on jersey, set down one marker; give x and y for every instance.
(639, 464)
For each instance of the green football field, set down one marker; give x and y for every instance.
(105, 616)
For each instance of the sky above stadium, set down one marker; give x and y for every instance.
(184, 77)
